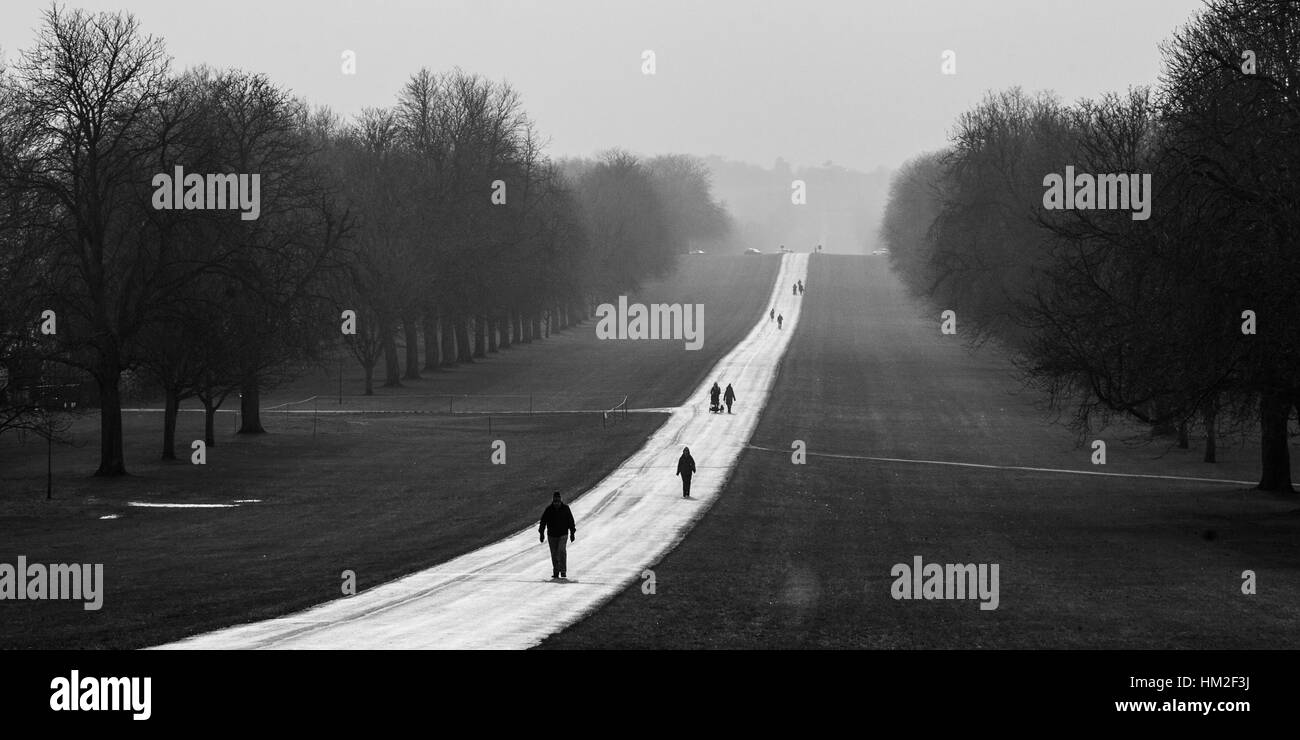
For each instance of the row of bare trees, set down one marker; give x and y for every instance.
(439, 222)
(1186, 320)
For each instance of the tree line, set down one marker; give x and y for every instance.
(1186, 320)
(439, 218)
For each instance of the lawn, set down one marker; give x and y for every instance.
(380, 494)
(801, 555)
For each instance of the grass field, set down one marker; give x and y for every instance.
(380, 494)
(800, 555)
(381, 497)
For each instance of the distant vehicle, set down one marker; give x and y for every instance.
(698, 251)
(880, 251)
(783, 249)
(751, 250)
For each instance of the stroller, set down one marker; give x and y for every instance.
(715, 404)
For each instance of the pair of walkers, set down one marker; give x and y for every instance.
(558, 526)
(717, 398)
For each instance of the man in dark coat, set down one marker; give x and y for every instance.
(729, 397)
(557, 521)
(686, 468)
(714, 393)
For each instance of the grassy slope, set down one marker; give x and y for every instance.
(800, 556)
(379, 495)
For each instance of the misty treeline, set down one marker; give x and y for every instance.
(439, 218)
(1108, 315)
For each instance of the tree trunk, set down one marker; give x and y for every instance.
(448, 337)
(432, 353)
(112, 462)
(503, 328)
(412, 335)
(480, 336)
(492, 325)
(209, 423)
(1209, 416)
(370, 379)
(536, 321)
(464, 350)
(1183, 441)
(250, 408)
(171, 406)
(1274, 447)
(392, 376)
(520, 336)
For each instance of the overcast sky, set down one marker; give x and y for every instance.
(856, 82)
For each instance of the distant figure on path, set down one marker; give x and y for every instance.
(557, 521)
(800, 287)
(771, 315)
(686, 468)
(794, 289)
(779, 319)
(714, 392)
(729, 397)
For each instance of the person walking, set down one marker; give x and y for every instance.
(686, 468)
(771, 315)
(779, 319)
(729, 396)
(794, 289)
(800, 287)
(557, 522)
(714, 393)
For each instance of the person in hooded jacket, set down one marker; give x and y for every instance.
(686, 468)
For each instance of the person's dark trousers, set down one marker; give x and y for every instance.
(559, 554)
(686, 485)
(728, 407)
